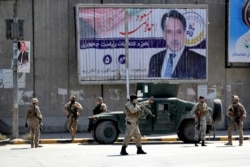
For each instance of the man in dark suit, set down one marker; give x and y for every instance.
(23, 56)
(177, 60)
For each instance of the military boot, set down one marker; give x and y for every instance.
(140, 151)
(228, 144)
(241, 141)
(123, 151)
(38, 145)
(72, 137)
(196, 143)
(203, 143)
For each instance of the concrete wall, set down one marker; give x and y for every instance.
(50, 26)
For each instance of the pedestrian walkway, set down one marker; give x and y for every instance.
(86, 138)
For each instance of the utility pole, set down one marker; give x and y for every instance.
(126, 52)
(15, 36)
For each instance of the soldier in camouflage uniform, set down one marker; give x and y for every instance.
(72, 110)
(100, 106)
(34, 120)
(237, 114)
(200, 113)
(133, 112)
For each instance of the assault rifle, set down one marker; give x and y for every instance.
(145, 110)
(73, 111)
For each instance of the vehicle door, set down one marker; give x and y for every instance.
(146, 120)
(165, 116)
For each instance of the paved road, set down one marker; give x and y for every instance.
(95, 155)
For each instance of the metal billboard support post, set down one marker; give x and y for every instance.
(15, 35)
(126, 53)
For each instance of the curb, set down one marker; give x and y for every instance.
(119, 140)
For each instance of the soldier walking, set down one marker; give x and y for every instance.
(34, 120)
(237, 114)
(133, 112)
(200, 113)
(72, 110)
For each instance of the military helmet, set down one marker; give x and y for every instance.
(132, 97)
(235, 97)
(201, 97)
(72, 97)
(34, 100)
(100, 98)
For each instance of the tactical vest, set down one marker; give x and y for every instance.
(202, 107)
(97, 110)
(32, 112)
(132, 115)
(237, 111)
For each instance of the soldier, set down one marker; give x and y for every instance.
(237, 114)
(100, 106)
(34, 120)
(72, 110)
(200, 113)
(133, 112)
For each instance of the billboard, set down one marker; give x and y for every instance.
(239, 34)
(151, 34)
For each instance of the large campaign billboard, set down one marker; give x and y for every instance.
(163, 43)
(239, 34)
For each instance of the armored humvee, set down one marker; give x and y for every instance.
(170, 114)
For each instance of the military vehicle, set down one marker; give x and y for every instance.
(168, 114)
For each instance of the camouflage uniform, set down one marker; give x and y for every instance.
(33, 119)
(133, 113)
(236, 113)
(100, 107)
(72, 109)
(199, 112)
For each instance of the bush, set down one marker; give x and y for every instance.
(26, 136)
(3, 137)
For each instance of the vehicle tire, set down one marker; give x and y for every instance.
(217, 110)
(93, 135)
(106, 132)
(186, 131)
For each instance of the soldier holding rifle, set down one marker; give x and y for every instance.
(133, 111)
(237, 114)
(199, 111)
(72, 110)
(34, 121)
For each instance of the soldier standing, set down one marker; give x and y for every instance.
(133, 112)
(100, 106)
(34, 120)
(72, 110)
(200, 113)
(237, 114)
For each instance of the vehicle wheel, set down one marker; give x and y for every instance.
(186, 131)
(106, 132)
(217, 110)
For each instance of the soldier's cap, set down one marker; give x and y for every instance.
(34, 100)
(235, 97)
(201, 97)
(132, 97)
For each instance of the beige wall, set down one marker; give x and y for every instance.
(50, 27)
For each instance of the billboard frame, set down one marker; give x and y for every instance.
(149, 6)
